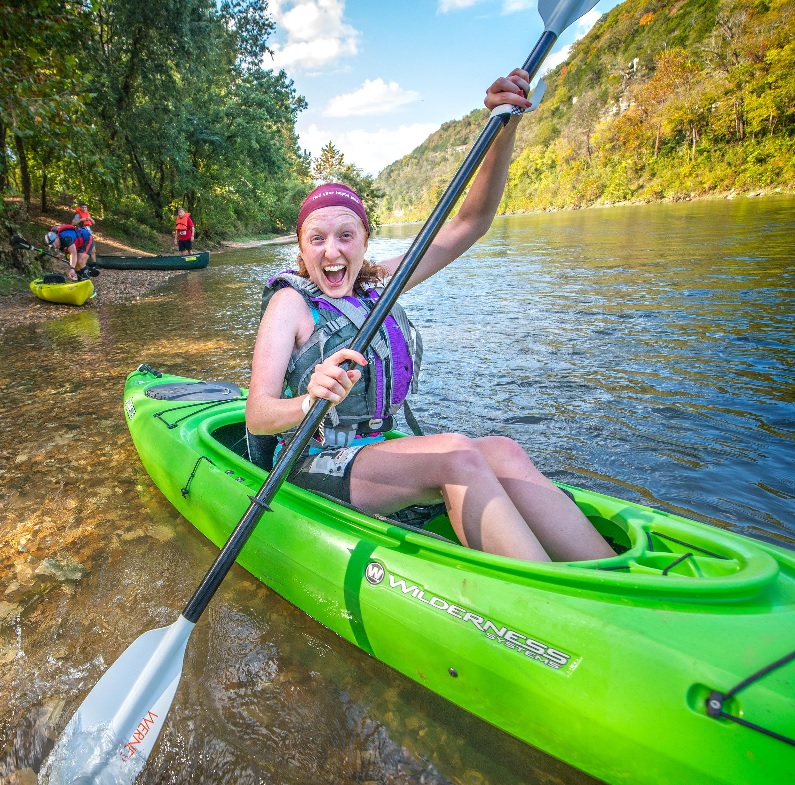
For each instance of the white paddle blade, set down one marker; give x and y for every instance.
(559, 14)
(110, 737)
(536, 96)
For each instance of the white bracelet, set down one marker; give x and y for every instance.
(306, 404)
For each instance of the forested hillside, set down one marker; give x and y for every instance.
(661, 100)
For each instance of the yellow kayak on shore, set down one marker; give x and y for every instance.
(69, 293)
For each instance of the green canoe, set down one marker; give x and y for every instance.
(670, 663)
(193, 261)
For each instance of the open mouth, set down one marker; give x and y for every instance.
(335, 273)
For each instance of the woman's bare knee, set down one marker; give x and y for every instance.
(504, 454)
(461, 460)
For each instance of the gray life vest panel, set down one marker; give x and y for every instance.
(394, 358)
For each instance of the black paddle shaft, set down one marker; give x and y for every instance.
(260, 503)
(21, 242)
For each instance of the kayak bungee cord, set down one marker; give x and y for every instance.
(197, 407)
(717, 700)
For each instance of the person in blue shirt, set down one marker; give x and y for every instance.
(77, 243)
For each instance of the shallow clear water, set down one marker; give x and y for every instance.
(645, 352)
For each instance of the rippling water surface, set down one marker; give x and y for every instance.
(645, 352)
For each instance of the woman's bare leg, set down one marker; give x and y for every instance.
(560, 526)
(391, 475)
(496, 498)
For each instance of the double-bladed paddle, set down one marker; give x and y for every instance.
(111, 735)
(20, 242)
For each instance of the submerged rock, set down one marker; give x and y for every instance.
(61, 570)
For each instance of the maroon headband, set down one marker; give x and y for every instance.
(332, 195)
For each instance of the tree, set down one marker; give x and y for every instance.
(329, 165)
(41, 80)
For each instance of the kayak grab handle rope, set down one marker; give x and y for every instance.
(716, 700)
(186, 490)
(673, 564)
(680, 542)
(146, 368)
(203, 406)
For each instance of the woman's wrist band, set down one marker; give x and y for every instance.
(306, 404)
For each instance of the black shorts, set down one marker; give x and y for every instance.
(185, 245)
(327, 472)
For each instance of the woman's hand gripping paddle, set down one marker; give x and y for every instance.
(111, 735)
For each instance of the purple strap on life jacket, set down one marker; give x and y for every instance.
(402, 363)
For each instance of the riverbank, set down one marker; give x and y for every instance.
(112, 286)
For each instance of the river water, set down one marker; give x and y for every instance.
(644, 352)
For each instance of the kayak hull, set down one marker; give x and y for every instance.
(70, 293)
(192, 261)
(606, 665)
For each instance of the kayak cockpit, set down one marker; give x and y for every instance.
(657, 551)
(654, 547)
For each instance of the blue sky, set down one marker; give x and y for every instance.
(380, 76)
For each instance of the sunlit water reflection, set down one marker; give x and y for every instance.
(642, 352)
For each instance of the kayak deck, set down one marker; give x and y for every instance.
(625, 667)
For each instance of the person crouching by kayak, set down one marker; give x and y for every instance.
(83, 220)
(496, 499)
(184, 232)
(77, 243)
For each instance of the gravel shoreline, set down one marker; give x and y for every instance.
(111, 286)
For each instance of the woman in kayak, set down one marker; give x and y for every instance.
(496, 499)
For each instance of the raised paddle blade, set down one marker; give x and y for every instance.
(20, 242)
(537, 95)
(111, 735)
(558, 16)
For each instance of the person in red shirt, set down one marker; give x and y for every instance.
(83, 220)
(185, 231)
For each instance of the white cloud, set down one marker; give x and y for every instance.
(513, 6)
(453, 5)
(316, 34)
(375, 96)
(555, 59)
(508, 6)
(586, 22)
(371, 151)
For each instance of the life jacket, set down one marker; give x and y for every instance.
(394, 358)
(73, 235)
(182, 225)
(85, 217)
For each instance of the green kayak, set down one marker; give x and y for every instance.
(672, 662)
